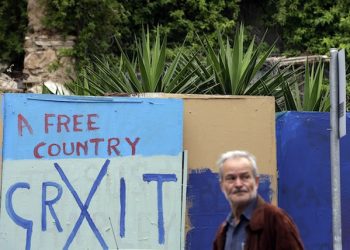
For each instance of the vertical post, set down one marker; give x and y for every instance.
(335, 159)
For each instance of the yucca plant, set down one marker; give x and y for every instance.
(148, 71)
(98, 78)
(232, 71)
(315, 94)
(237, 71)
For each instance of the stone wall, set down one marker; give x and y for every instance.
(44, 60)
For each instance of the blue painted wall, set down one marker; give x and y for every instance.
(304, 184)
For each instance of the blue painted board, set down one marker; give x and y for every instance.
(91, 173)
(49, 126)
(303, 160)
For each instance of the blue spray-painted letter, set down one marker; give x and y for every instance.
(122, 207)
(84, 207)
(160, 178)
(50, 203)
(26, 224)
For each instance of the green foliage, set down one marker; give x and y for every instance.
(233, 67)
(232, 70)
(310, 27)
(305, 27)
(96, 23)
(180, 19)
(315, 94)
(239, 71)
(13, 25)
(347, 94)
(148, 71)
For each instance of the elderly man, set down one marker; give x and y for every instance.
(252, 223)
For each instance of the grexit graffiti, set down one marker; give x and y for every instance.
(57, 190)
(86, 173)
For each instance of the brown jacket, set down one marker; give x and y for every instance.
(270, 228)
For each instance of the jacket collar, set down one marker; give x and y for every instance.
(257, 220)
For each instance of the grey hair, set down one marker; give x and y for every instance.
(237, 154)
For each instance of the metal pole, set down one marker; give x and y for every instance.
(335, 159)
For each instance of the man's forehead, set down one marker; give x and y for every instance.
(239, 170)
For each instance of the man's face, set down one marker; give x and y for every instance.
(238, 182)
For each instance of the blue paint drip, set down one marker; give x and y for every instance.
(84, 207)
(160, 178)
(122, 207)
(26, 224)
(50, 203)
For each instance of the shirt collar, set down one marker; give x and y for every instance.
(247, 212)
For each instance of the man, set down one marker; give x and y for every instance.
(252, 224)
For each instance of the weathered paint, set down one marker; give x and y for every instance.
(208, 206)
(95, 200)
(303, 157)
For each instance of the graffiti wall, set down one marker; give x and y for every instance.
(98, 173)
(91, 173)
(303, 160)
